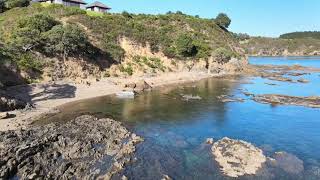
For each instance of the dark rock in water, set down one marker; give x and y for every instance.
(297, 74)
(226, 98)
(280, 78)
(248, 93)
(288, 162)
(84, 148)
(188, 97)
(274, 99)
(139, 86)
(271, 84)
(142, 86)
(303, 81)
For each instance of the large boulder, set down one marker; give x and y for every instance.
(237, 158)
(139, 86)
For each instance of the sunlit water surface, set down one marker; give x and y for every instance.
(175, 130)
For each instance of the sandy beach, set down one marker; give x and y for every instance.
(47, 96)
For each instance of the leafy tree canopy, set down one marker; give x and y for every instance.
(223, 20)
(66, 40)
(185, 46)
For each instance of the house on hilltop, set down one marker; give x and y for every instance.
(71, 3)
(98, 7)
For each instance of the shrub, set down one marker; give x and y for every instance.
(115, 52)
(66, 40)
(28, 61)
(223, 20)
(40, 22)
(169, 51)
(185, 46)
(126, 15)
(128, 69)
(9, 4)
(241, 36)
(223, 55)
(203, 49)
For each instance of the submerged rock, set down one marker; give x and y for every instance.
(288, 162)
(297, 74)
(280, 78)
(84, 148)
(237, 158)
(275, 99)
(226, 98)
(188, 97)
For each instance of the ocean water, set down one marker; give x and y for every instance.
(175, 130)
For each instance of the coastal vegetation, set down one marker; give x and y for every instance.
(264, 46)
(39, 36)
(301, 35)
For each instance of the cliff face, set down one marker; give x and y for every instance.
(281, 47)
(110, 44)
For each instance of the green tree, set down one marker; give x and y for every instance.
(66, 40)
(185, 46)
(223, 20)
(27, 35)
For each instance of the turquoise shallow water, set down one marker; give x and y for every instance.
(175, 130)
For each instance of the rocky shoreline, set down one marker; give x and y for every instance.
(84, 148)
(276, 99)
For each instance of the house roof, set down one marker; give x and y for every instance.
(98, 4)
(78, 1)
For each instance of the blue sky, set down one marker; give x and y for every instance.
(255, 17)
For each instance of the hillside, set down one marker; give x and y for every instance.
(262, 46)
(301, 35)
(44, 42)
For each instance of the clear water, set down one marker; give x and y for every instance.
(175, 130)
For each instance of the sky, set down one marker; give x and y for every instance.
(256, 17)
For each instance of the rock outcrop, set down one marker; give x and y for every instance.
(84, 148)
(237, 158)
(138, 87)
(275, 99)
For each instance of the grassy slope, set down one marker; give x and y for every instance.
(104, 30)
